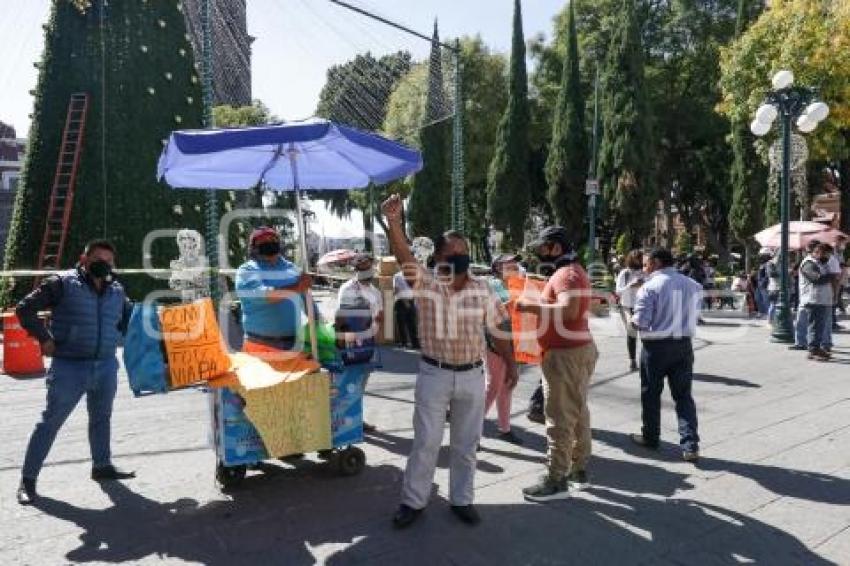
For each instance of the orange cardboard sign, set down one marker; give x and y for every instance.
(524, 326)
(193, 343)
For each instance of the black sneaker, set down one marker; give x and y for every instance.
(547, 489)
(641, 440)
(577, 477)
(405, 516)
(26, 491)
(110, 473)
(510, 437)
(536, 417)
(467, 514)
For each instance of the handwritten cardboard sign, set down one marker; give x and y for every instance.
(193, 343)
(524, 326)
(292, 417)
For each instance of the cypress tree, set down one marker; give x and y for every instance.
(136, 64)
(429, 197)
(567, 163)
(508, 177)
(751, 204)
(625, 151)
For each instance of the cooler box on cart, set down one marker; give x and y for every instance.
(238, 444)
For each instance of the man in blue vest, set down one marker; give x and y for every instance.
(90, 311)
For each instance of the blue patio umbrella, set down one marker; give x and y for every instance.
(313, 154)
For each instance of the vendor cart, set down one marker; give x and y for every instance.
(296, 156)
(238, 445)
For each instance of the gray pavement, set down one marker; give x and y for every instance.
(773, 486)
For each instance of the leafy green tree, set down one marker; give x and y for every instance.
(684, 243)
(137, 67)
(566, 166)
(746, 175)
(815, 46)
(680, 43)
(256, 114)
(357, 93)
(507, 182)
(622, 246)
(625, 151)
(484, 95)
(692, 154)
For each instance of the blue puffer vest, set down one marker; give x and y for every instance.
(85, 324)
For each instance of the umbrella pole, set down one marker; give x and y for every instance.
(305, 266)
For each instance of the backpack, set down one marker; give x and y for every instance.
(144, 357)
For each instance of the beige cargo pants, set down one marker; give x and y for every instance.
(567, 373)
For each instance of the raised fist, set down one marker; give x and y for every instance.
(392, 208)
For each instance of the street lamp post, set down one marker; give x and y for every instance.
(797, 103)
(592, 183)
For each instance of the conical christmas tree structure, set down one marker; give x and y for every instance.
(429, 199)
(134, 60)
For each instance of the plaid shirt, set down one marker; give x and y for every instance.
(452, 323)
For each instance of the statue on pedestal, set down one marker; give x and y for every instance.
(189, 272)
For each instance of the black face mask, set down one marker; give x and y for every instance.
(458, 263)
(824, 260)
(100, 269)
(268, 248)
(547, 269)
(548, 258)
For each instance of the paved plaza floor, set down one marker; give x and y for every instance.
(772, 487)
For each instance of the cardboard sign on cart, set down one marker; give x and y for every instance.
(291, 417)
(193, 343)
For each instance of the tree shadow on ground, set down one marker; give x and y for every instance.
(786, 482)
(289, 518)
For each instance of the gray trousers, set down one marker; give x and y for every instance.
(437, 390)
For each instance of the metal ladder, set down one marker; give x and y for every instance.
(62, 193)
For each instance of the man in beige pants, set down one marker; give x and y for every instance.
(569, 358)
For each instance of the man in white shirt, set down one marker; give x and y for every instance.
(666, 312)
(362, 285)
(833, 268)
(356, 290)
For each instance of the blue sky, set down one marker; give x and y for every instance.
(296, 41)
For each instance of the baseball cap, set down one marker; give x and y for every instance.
(551, 234)
(504, 258)
(263, 233)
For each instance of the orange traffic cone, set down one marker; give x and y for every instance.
(21, 352)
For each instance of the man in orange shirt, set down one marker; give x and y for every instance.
(569, 359)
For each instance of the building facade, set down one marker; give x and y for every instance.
(12, 149)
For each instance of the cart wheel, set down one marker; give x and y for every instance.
(229, 476)
(350, 461)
